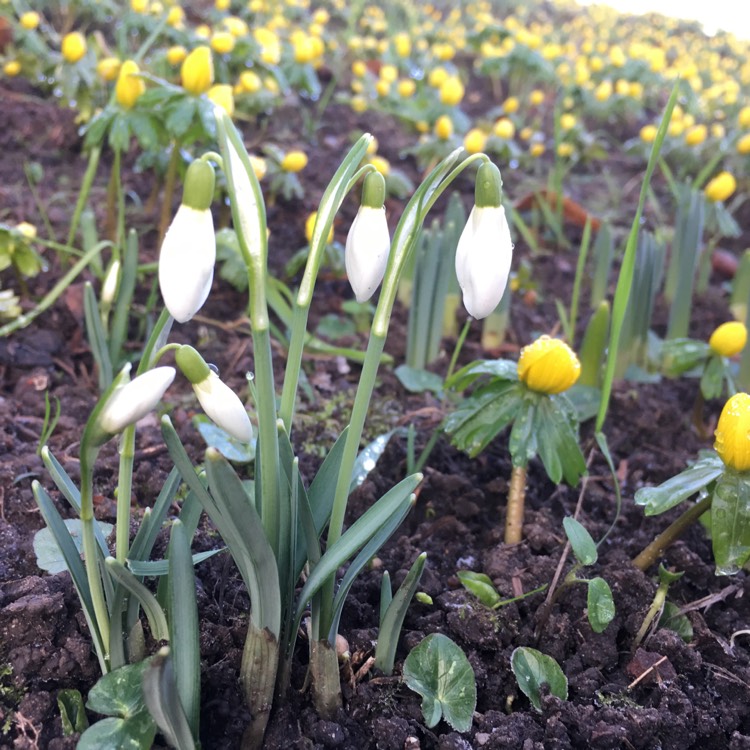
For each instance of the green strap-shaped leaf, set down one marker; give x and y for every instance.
(390, 626)
(96, 336)
(676, 489)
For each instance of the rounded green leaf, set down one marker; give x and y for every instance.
(584, 547)
(600, 604)
(533, 669)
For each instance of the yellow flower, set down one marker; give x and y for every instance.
(129, 85)
(26, 229)
(567, 121)
(729, 338)
(258, 163)
(565, 150)
(108, 68)
(222, 4)
(743, 145)
(733, 433)
(720, 187)
(696, 135)
(648, 133)
(475, 141)
(250, 82)
(294, 161)
(437, 77)
(139, 6)
(603, 91)
(197, 71)
(359, 68)
(235, 26)
(443, 127)
(73, 47)
(743, 118)
(221, 95)
(12, 68)
(381, 164)
(451, 91)
(504, 129)
(310, 225)
(548, 366)
(402, 44)
(176, 54)
(511, 105)
(536, 149)
(175, 17)
(536, 97)
(29, 20)
(222, 42)
(406, 88)
(358, 104)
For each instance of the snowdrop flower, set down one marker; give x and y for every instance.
(131, 401)
(188, 253)
(217, 399)
(485, 249)
(369, 242)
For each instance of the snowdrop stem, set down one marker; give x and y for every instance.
(156, 340)
(214, 157)
(459, 345)
(124, 491)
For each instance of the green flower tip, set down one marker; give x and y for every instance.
(733, 433)
(191, 364)
(373, 190)
(548, 366)
(488, 188)
(199, 185)
(728, 339)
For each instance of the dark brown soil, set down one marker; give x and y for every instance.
(699, 697)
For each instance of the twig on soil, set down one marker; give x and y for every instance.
(645, 673)
(707, 601)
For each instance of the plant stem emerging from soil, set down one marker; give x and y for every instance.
(671, 534)
(516, 500)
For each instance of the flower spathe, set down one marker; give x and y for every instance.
(733, 433)
(729, 338)
(548, 366)
(130, 402)
(188, 253)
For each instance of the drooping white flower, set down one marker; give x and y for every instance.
(188, 253)
(223, 406)
(368, 243)
(218, 400)
(485, 248)
(131, 402)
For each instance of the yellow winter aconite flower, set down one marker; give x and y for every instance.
(359, 68)
(258, 163)
(108, 68)
(720, 187)
(536, 149)
(733, 433)
(443, 127)
(696, 135)
(743, 117)
(406, 88)
(221, 95)
(176, 54)
(73, 47)
(536, 97)
(250, 82)
(175, 17)
(402, 44)
(29, 20)
(294, 161)
(381, 164)
(504, 129)
(729, 338)
(475, 140)
(567, 121)
(511, 105)
(12, 68)
(197, 71)
(548, 365)
(565, 150)
(222, 42)
(451, 91)
(129, 84)
(648, 133)
(310, 225)
(743, 145)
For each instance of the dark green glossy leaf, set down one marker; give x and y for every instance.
(439, 671)
(680, 355)
(418, 381)
(533, 669)
(712, 379)
(600, 604)
(72, 711)
(179, 115)
(672, 492)
(672, 619)
(730, 522)
(135, 733)
(523, 436)
(557, 437)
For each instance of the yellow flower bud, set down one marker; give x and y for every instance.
(175, 17)
(12, 68)
(222, 4)
(222, 42)
(197, 71)
(73, 47)
(451, 91)
(733, 433)
(504, 128)
(176, 54)
(26, 229)
(475, 141)
(310, 225)
(381, 164)
(294, 161)
(511, 105)
(250, 82)
(30, 20)
(444, 127)
(565, 149)
(402, 44)
(743, 118)
(359, 68)
(696, 134)
(720, 187)
(743, 145)
(258, 163)
(108, 68)
(129, 85)
(536, 97)
(221, 95)
(536, 149)
(648, 133)
(729, 338)
(437, 77)
(406, 88)
(548, 366)
(567, 121)
(139, 6)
